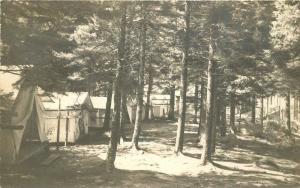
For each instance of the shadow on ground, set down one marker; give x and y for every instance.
(249, 163)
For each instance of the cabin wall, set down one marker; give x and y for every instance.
(160, 111)
(275, 108)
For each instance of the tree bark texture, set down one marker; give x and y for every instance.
(150, 84)
(267, 109)
(262, 111)
(253, 108)
(215, 115)
(201, 116)
(123, 116)
(288, 112)
(206, 152)
(113, 143)
(172, 103)
(106, 124)
(296, 108)
(196, 103)
(232, 113)
(140, 92)
(183, 84)
(223, 119)
(240, 114)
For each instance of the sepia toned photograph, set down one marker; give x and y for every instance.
(149, 94)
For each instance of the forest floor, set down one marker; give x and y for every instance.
(246, 162)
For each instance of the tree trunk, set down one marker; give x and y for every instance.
(240, 114)
(183, 84)
(150, 84)
(140, 92)
(253, 108)
(123, 116)
(196, 103)
(201, 117)
(215, 116)
(288, 112)
(106, 125)
(223, 119)
(267, 109)
(296, 108)
(172, 103)
(113, 143)
(262, 111)
(207, 136)
(232, 113)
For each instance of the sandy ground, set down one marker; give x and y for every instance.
(251, 162)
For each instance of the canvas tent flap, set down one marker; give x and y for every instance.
(68, 101)
(24, 104)
(40, 119)
(22, 107)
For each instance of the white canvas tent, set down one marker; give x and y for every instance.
(74, 110)
(18, 144)
(132, 110)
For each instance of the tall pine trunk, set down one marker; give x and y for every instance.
(201, 116)
(196, 103)
(267, 109)
(106, 124)
(140, 92)
(172, 103)
(207, 136)
(253, 108)
(240, 113)
(150, 84)
(183, 84)
(123, 116)
(113, 143)
(296, 108)
(232, 113)
(288, 112)
(262, 111)
(223, 118)
(215, 115)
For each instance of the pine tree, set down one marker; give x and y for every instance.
(206, 154)
(114, 139)
(140, 92)
(183, 85)
(106, 124)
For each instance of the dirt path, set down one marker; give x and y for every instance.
(249, 163)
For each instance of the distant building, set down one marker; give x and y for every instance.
(275, 108)
(160, 105)
(97, 114)
(132, 109)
